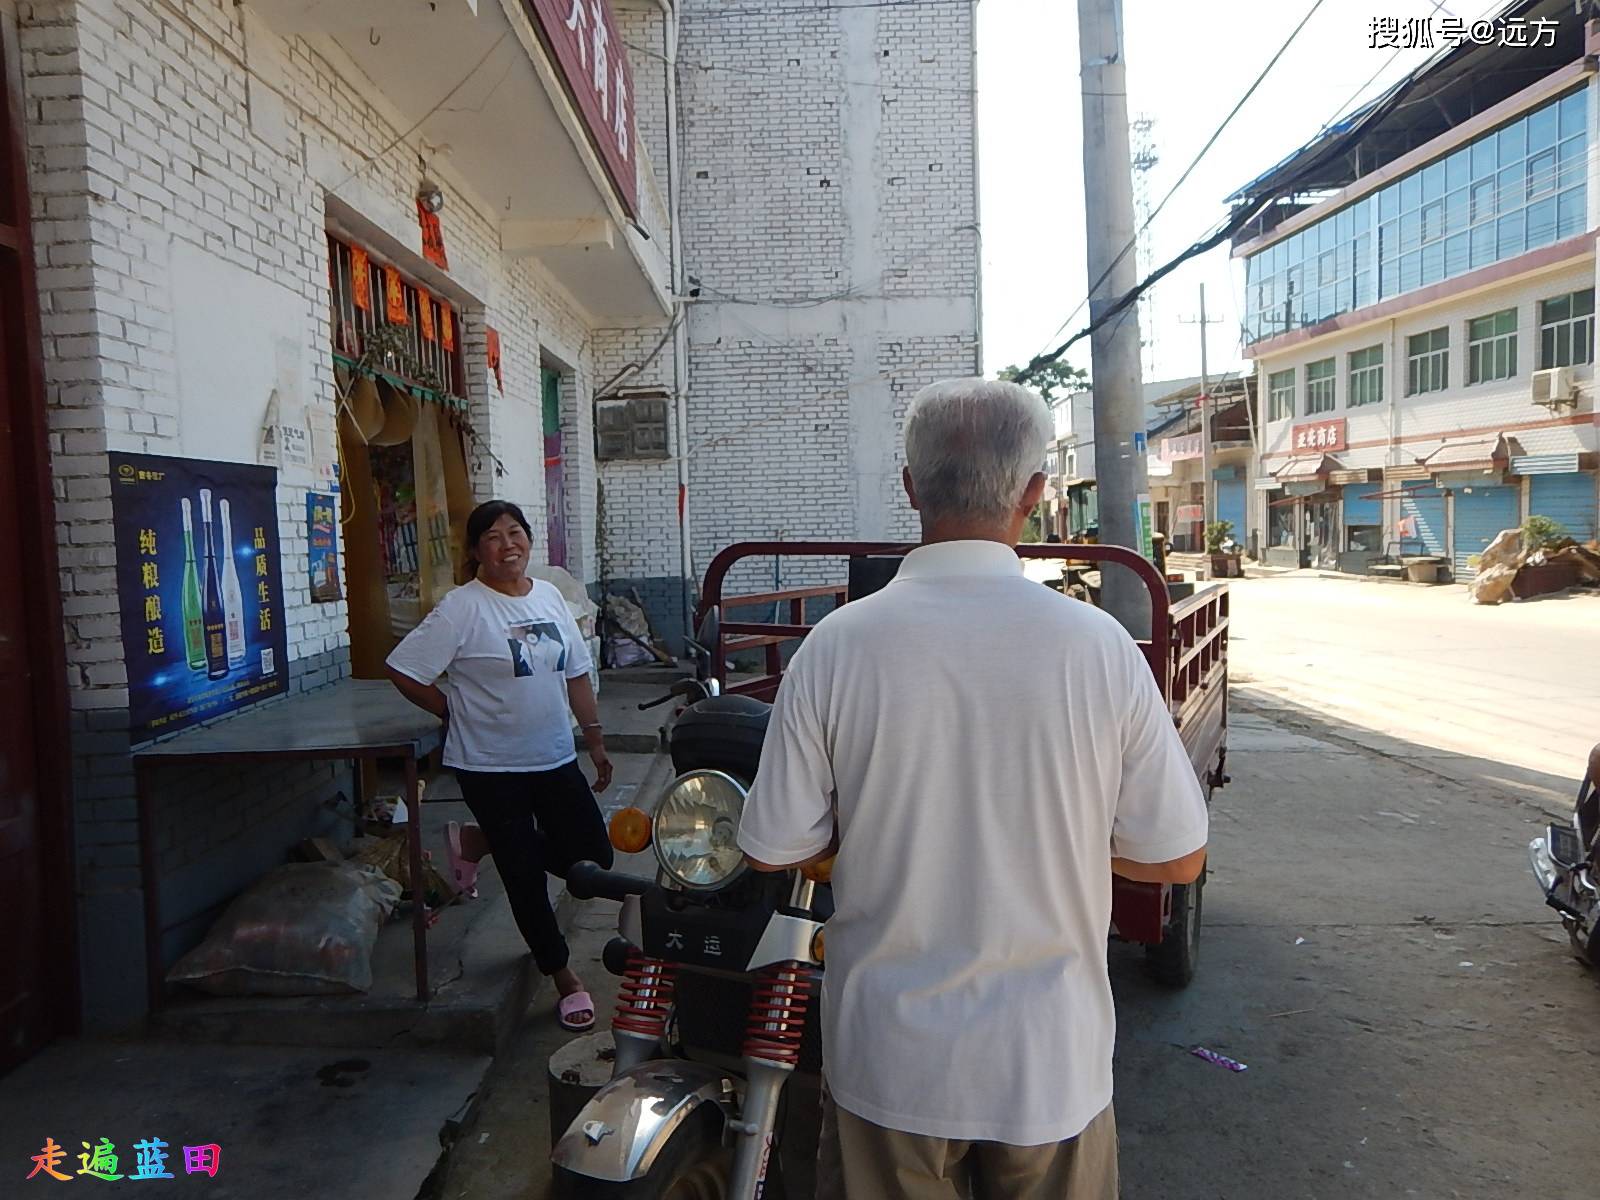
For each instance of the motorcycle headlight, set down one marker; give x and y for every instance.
(697, 828)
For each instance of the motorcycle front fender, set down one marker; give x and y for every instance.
(626, 1124)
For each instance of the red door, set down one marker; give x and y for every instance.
(38, 959)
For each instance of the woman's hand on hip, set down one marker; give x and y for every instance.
(602, 766)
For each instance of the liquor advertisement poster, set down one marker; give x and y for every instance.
(322, 537)
(199, 581)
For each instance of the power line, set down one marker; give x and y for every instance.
(423, 120)
(1038, 359)
(723, 68)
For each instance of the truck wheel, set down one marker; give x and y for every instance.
(694, 1165)
(1173, 960)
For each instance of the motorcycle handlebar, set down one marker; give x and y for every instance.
(590, 881)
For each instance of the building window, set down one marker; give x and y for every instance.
(1566, 330)
(1319, 387)
(1366, 377)
(1427, 362)
(433, 351)
(1492, 347)
(1280, 395)
(1509, 190)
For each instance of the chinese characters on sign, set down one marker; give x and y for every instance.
(1418, 33)
(1185, 513)
(1185, 446)
(199, 586)
(101, 1161)
(583, 37)
(1319, 437)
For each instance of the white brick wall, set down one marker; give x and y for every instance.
(828, 160)
(149, 140)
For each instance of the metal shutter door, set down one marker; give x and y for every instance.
(1569, 499)
(1359, 511)
(1428, 509)
(1481, 514)
(1230, 506)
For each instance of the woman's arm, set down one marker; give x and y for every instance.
(425, 696)
(580, 694)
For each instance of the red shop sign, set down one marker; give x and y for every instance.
(582, 37)
(1318, 437)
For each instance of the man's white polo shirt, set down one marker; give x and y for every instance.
(989, 745)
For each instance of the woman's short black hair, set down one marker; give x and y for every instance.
(482, 520)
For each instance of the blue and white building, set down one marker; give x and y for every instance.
(1421, 310)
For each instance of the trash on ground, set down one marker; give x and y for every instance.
(1211, 1056)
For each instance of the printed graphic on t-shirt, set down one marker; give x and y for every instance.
(536, 646)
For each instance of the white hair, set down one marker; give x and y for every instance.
(973, 444)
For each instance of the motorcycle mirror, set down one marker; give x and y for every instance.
(709, 634)
(707, 641)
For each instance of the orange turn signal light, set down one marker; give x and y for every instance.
(630, 830)
(818, 946)
(819, 872)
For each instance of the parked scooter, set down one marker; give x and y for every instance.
(1566, 862)
(716, 1088)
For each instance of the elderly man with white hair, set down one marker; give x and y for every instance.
(982, 753)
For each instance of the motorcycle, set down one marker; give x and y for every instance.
(1566, 862)
(715, 1088)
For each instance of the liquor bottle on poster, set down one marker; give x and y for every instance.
(212, 617)
(194, 636)
(232, 601)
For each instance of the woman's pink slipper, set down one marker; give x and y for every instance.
(576, 1012)
(463, 871)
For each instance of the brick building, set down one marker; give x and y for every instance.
(213, 210)
(1423, 326)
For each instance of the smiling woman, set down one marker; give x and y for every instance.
(501, 660)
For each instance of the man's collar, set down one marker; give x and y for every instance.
(944, 559)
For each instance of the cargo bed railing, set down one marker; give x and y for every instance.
(1186, 649)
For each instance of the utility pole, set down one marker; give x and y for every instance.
(1119, 423)
(1208, 501)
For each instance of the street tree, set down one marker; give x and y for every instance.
(1054, 381)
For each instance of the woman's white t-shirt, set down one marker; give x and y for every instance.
(505, 661)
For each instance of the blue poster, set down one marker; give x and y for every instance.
(322, 539)
(200, 588)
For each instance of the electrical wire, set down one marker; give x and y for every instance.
(1040, 359)
(368, 160)
(727, 69)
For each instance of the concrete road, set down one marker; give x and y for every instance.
(1374, 950)
(1519, 683)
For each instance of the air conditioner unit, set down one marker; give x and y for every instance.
(1554, 388)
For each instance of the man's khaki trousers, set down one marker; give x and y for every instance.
(857, 1160)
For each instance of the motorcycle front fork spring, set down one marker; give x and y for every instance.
(644, 999)
(779, 1001)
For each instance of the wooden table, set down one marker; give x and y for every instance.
(360, 720)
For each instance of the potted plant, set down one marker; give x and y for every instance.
(1540, 535)
(1224, 551)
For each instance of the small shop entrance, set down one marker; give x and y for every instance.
(1322, 520)
(404, 491)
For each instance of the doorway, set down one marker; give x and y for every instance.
(1322, 531)
(555, 500)
(37, 997)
